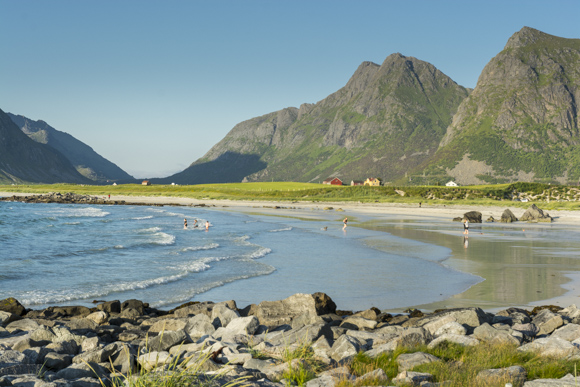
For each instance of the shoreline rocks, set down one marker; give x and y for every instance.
(76, 345)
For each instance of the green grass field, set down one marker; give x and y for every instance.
(546, 196)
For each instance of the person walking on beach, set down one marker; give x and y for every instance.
(466, 226)
(345, 221)
(184, 223)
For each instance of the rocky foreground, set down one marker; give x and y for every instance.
(80, 346)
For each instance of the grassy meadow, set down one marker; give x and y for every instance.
(546, 196)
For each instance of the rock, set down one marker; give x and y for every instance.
(547, 321)
(199, 325)
(552, 347)
(468, 317)
(195, 309)
(472, 216)
(451, 327)
(99, 355)
(529, 330)
(566, 381)
(534, 214)
(508, 217)
(57, 361)
(516, 375)
(81, 325)
(65, 347)
(322, 381)
(137, 305)
(276, 313)
(110, 306)
(169, 324)
(489, 334)
(412, 337)
(569, 332)
(72, 311)
(413, 378)
(377, 375)
(408, 361)
(7, 317)
(358, 323)
(221, 315)
(370, 314)
(9, 358)
(82, 370)
(166, 340)
(466, 341)
(154, 359)
(11, 305)
(345, 347)
(130, 314)
(99, 317)
(383, 348)
(25, 325)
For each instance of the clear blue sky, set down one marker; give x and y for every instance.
(153, 85)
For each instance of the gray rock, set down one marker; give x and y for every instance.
(569, 332)
(452, 327)
(466, 341)
(6, 318)
(90, 343)
(547, 321)
(516, 375)
(57, 361)
(489, 334)
(566, 381)
(243, 325)
(110, 307)
(414, 378)
(137, 305)
(322, 381)
(276, 313)
(529, 329)
(167, 340)
(193, 310)
(377, 375)
(358, 323)
(345, 347)
(81, 325)
(508, 216)
(552, 347)
(199, 325)
(221, 315)
(169, 324)
(468, 317)
(9, 358)
(572, 312)
(408, 361)
(100, 355)
(82, 370)
(65, 347)
(412, 337)
(534, 214)
(383, 348)
(27, 343)
(11, 305)
(26, 325)
(99, 317)
(154, 359)
(473, 216)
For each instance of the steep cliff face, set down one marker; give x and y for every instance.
(386, 120)
(87, 162)
(521, 120)
(24, 160)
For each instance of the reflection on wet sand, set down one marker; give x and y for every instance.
(520, 265)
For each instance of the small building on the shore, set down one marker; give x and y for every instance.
(146, 182)
(332, 181)
(357, 182)
(373, 182)
(451, 183)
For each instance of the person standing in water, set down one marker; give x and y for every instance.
(466, 226)
(206, 225)
(345, 221)
(184, 223)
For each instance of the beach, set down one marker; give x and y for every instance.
(508, 281)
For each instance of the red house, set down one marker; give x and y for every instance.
(332, 181)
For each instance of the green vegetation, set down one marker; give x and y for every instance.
(550, 196)
(460, 365)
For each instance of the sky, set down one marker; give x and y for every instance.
(153, 85)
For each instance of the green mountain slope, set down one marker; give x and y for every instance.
(387, 120)
(521, 121)
(24, 160)
(88, 162)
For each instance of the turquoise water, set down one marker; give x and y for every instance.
(55, 254)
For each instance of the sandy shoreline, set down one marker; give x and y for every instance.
(571, 289)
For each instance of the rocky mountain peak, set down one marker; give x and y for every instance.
(524, 37)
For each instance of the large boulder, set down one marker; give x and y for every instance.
(552, 347)
(275, 313)
(472, 216)
(534, 214)
(468, 317)
(11, 305)
(508, 216)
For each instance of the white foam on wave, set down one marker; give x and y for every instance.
(88, 212)
(162, 238)
(143, 217)
(72, 223)
(204, 247)
(282, 229)
(151, 229)
(261, 252)
(119, 247)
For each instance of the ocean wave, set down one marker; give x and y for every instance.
(204, 247)
(260, 253)
(119, 247)
(143, 217)
(163, 239)
(150, 229)
(281, 229)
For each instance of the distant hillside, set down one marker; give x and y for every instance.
(388, 119)
(521, 121)
(24, 160)
(83, 157)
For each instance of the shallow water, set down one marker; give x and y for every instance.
(55, 254)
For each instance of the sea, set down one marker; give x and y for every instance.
(65, 254)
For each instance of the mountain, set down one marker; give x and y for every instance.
(24, 160)
(87, 162)
(386, 120)
(521, 122)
